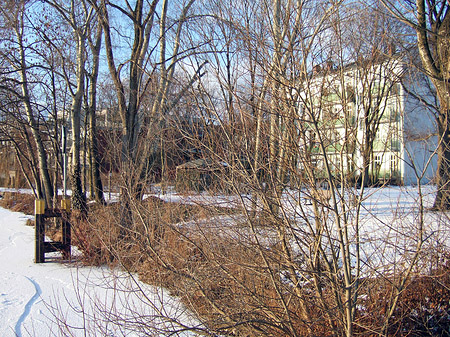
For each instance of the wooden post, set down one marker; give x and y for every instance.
(39, 211)
(66, 230)
(42, 246)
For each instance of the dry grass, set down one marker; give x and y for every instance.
(222, 279)
(226, 281)
(18, 202)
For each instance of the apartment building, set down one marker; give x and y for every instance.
(374, 119)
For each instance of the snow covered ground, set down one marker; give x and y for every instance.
(42, 299)
(388, 223)
(61, 299)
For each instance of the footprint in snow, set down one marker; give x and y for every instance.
(28, 307)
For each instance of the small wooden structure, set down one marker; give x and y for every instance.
(198, 175)
(43, 246)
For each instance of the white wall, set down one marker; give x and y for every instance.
(419, 136)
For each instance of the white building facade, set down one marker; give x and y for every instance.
(373, 119)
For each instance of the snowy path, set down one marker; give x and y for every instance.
(29, 291)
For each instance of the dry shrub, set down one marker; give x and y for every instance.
(18, 202)
(423, 308)
(209, 278)
(103, 240)
(225, 281)
(97, 236)
(223, 277)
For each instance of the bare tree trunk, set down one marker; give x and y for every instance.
(34, 164)
(78, 197)
(34, 125)
(96, 182)
(442, 200)
(433, 41)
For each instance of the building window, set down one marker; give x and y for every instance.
(338, 164)
(378, 160)
(393, 164)
(393, 116)
(395, 144)
(376, 169)
(392, 112)
(350, 91)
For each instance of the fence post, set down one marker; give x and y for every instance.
(39, 211)
(66, 231)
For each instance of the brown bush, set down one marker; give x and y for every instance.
(18, 202)
(223, 279)
(423, 308)
(226, 281)
(212, 274)
(97, 236)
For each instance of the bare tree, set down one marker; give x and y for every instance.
(95, 41)
(82, 20)
(20, 66)
(310, 253)
(431, 21)
(292, 253)
(147, 68)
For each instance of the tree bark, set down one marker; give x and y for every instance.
(433, 41)
(442, 200)
(78, 197)
(96, 181)
(34, 125)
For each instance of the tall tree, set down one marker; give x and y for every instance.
(151, 63)
(431, 21)
(95, 43)
(141, 18)
(82, 20)
(21, 59)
